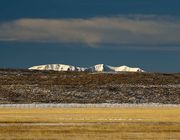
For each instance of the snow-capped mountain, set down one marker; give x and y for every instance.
(95, 68)
(57, 67)
(107, 68)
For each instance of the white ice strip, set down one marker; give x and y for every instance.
(74, 105)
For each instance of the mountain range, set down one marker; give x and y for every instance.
(95, 68)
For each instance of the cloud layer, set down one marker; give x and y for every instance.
(146, 31)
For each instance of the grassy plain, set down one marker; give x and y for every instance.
(90, 123)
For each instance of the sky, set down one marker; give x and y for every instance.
(136, 33)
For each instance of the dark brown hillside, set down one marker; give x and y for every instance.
(24, 86)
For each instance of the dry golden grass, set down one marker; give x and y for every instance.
(90, 123)
(58, 115)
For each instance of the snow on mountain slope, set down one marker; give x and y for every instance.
(100, 68)
(57, 67)
(126, 68)
(95, 68)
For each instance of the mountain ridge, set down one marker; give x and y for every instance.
(95, 68)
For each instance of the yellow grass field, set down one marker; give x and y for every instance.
(157, 123)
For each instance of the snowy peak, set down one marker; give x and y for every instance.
(100, 68)
(95, 68)
(57, 67)
(126, 68)
(107, 68)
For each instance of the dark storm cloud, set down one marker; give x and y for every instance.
(122, 30)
